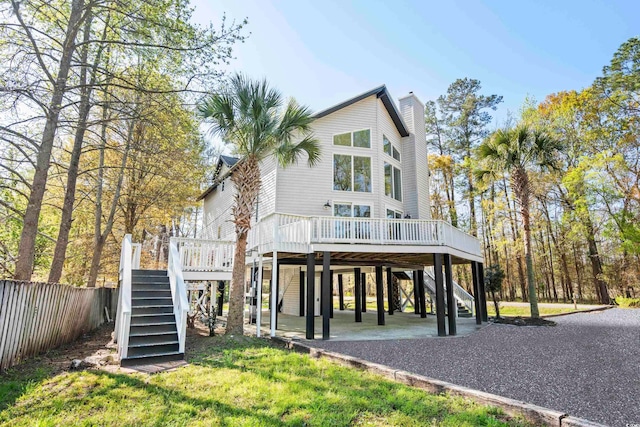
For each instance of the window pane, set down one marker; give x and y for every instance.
(342, 209)
(362, 174)
(396, 154)
(387, 180)
(341, 172)
(342, 139)
(362, 138)
(362, 211)
(386, 145)
(391, 214)
(398, 215)
(397, 184)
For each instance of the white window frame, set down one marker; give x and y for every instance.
(351, 133)
(393, 187)
(353, 175)
(352, 204)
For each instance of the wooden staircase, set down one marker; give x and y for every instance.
(153, 334)
(463, 311)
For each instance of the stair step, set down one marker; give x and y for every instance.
(147, 302)
(151, 329)
(160, 340)
(152, 319)
(167, 309)
(150, 287)
(165, 337)
(152, 350)
(152, 359)
(151, 293)
(149, 272)
(154, 280)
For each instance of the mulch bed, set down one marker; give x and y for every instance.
(524, 321)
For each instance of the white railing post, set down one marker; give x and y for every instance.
(178, 293)
(123, 316)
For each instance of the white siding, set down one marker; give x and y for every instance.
(412, 111)
(217, 211)
(388, 128)
(304, 191)
(290, 284)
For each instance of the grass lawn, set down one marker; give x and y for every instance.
(525, 311)
(230, 382)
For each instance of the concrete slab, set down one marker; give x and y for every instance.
(344, 328)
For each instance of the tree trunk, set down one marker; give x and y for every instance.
(246, 178)
(515, 234)
(596, 265)
(66, 219)
(26, 248)
(522, 190)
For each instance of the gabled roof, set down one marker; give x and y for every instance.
(230, 162)
(380, 92)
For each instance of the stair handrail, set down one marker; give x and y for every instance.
(459, 293)
(178, 293)
(123, 315)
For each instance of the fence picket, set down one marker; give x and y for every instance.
(36, 317)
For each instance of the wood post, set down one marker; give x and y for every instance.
(421, 296)
(390, 291)
(476, 292)
(416, 293)
(483, 293)
(311, 269)
(341, 292)
(437, 266)
(302, 300)
(452, 307)
(326, 294)
(331, 294)
(380, 295)
(276, 279)
(221, 286)
(357, 277)
(363, 284)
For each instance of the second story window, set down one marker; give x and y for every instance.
(359, 138)
(392, 182)
(389, 148)
(351, 173)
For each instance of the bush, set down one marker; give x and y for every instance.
(628, 302)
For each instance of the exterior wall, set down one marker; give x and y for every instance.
(412, 111)
(304, 191)
(290, 283)
(217, 212)
(301, 190)
(218, 203)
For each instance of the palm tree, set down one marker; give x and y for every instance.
(516, 151)
(255, 121)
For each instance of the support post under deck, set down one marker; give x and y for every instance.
(379, 295)
(326, 294)
(311, 268)
(390, 298)
(476, 291)
(357, 293)
(452, 307)
(437, 266)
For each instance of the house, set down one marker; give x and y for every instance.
(363, 208)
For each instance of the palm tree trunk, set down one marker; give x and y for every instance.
(246, 178)
(521, 188)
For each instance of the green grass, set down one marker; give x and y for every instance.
(233, 382)
(525, 311)
(628, 302)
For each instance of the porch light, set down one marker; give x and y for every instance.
(327, 205)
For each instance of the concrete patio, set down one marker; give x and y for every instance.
(344, 327)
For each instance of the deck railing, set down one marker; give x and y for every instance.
(178, 293)
(295, 233)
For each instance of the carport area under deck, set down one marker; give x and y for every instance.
(340, 259)
(405, 325)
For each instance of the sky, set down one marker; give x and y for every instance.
(325, 51)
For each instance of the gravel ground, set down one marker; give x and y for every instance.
(588, 365)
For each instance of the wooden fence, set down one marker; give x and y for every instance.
(36, 317)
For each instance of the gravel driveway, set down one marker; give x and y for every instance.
(588, 365)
